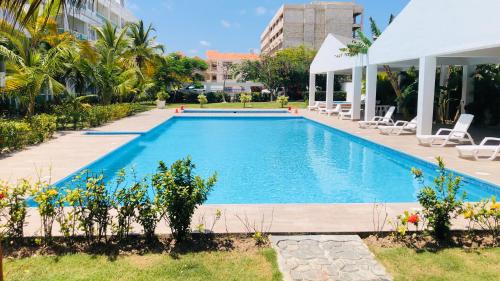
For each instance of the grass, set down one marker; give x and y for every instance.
(251, 265)
(448, 264)
(265, 105)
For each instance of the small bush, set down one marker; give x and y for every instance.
(14, 135)
(245, 98)
(442, 202)
(282, 100)
(181, 192)
(48, 199)
(485, 215)
(43, 127)
(13, 207)
(202, 99)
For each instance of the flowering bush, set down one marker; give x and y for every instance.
(202, 99)
(245, 98)
(14, 207)
(442, 202)
(486, 215)
(48, 199)
(406, 220)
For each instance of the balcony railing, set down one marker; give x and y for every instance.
(78, 35)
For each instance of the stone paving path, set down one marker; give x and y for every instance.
(326, 257)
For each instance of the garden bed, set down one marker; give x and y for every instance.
(205, 257)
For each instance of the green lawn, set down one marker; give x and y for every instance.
(252, 265)
(266, 105)
(449, 264)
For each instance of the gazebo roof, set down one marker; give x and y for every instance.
(329, 58)
(455, 31)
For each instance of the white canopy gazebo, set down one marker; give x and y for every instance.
(331, 61)
(428, 33)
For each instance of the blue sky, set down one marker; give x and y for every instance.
(194, 26)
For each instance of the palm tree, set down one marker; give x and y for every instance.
(143, 50)
(34, 58)
(112, 76)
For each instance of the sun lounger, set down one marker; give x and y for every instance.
(399, 127)
(483, 151)
(317, 106)
(454, 136)
(379, 120)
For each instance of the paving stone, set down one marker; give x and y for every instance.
(321, 257)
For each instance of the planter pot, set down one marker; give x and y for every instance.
(160, 104)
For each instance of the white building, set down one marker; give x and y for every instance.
(94, 13)
(426, 34)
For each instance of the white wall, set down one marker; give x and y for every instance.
(438, 27)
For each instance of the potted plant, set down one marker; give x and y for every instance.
(161, 97)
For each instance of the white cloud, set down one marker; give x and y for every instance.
(168, 4)
(260, 11)
(225, 23)
(205, 43)
(132, 6)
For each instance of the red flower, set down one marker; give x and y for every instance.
(2, 196)
(414, 219)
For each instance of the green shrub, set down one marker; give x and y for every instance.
(48, 199)
(202, 99)
(441, 202)
(127, 201)
(181, 192)
(43, 127)
(282, 100)
(245, 98)
(14, 134)
(13, 207)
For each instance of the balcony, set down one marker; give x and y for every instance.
(101, 17)
(78, 35)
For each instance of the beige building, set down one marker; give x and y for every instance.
(309, 24)
(219, 65)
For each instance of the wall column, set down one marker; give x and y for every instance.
(426, 89)
(312, 89)
(357, 72)
(371, 91)
(329, 88)
(467, 86)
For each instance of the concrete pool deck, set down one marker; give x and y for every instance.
(70, 151)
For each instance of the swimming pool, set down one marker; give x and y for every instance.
(236, 111)
(275, 160)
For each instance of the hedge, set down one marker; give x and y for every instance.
(16, 134)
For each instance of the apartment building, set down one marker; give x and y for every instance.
(218, 76)
(219, 65)
(94, 13)
(309, 24)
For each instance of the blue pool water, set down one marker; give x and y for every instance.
(279, 160)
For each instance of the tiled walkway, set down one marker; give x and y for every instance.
(332, 257)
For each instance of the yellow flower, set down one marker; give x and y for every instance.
(468, 214)
(52, 192)
(495, 206)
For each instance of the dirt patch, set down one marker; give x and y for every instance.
(423, 241)
(135, 245)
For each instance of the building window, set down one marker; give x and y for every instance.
(214, 77)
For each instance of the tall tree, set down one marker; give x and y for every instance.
(34, 54)
(143, 48)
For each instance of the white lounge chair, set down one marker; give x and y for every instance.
(331, 111)
(399, 127)
(454, 136)
(316, 106)
(379, 120)
(481, 151)
(345, 114)
(313, 107)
